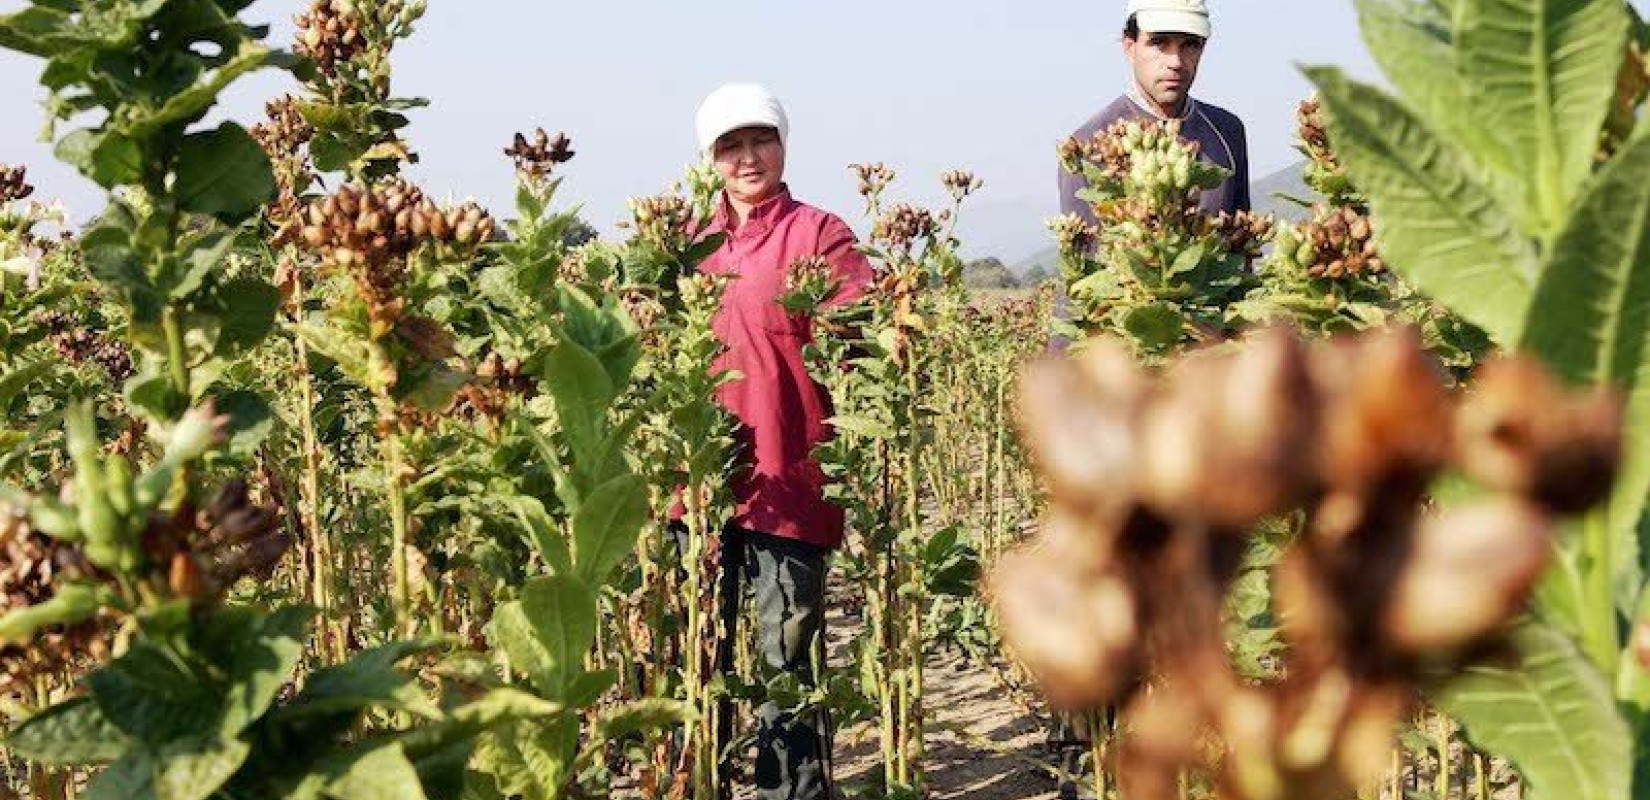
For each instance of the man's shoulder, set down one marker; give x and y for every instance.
(1222, 118)
(1119, 109)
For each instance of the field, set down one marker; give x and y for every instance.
(314, 487)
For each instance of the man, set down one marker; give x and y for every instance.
(1163, 41)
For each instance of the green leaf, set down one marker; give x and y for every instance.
(18, 378)
(543, 532)
(1540, 75)
(1590, 322)
(73, 604)
(370, 680)
(1552, 715)
(863, 426)
(71, 733)
(380, 773)
(131, 778)
(246, 308)
(582, 391)
(1155, 327)
(151, 696)
(194, 769)
(547, 632)
(191, 103)
(257, 653)
(250, 420)
(223, 173)
(351, 354)
(107, 157)
(1435, 223)
(606, 526)
(36, 30)
(642, 715)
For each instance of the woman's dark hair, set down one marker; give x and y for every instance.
(1131, 29)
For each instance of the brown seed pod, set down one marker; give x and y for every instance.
(1520, 431)
(329, 33)
(1078, 418)
(1470, 572)
(14, 183)
(542, 155)
(1224, 443)
(1076, 634)
(1386, 410)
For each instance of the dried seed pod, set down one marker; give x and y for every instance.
(960, 183)
(1471, 570)
(1520, 431)
(1386, 411)
(873, 178)
(540, 157)
(1077, 635)
(1078, 419)
(32, 568)
(14, 183)
(1225, 444)
(329, 33)
(902, 225)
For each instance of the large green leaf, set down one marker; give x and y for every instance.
(1540, 75)
(191, 103)
(223, 173)
(1590, 321)
(606, 526)
(371, 679)
(542, 531)
(1552, 715)
(380, 773)
(131, 778)
(152, 696)
(37, 30)
(257, 653)
(194, 769)
(582, 391)
(72, 733)
(547, 632)
(1435, 223)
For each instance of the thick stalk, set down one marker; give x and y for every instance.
(1598, 607)
(177, 358)
(1444, 761)
(394, 466)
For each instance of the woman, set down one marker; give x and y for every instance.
(783, 528)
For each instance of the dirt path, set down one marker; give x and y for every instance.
(982, 744)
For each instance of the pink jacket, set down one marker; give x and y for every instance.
(779, 486)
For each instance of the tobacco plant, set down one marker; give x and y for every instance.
(1157, 270)
(1506, 181)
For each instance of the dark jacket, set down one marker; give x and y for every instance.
(1218, 132)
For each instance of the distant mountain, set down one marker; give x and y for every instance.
(1288, 182)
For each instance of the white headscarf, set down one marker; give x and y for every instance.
(735, 106)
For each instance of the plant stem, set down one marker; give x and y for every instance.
(177, 359)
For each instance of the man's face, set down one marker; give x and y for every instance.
(752, 162)
(1165, 64)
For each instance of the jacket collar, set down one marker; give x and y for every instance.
(762, 217)
(1137, 96)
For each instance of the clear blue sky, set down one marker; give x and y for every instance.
(923, 85)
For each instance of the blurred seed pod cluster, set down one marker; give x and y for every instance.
(1157, 483)
(32, 568)
(1073, 234)
(14, 183)
(283, 137)
(78, 343)
(1243, 232)
(541, 155)
(207, 550)
(370, 231)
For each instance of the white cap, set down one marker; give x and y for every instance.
(1171, 16)
(735, 106)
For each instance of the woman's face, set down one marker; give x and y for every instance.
(752, 162)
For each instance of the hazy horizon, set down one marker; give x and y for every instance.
(923, 86)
